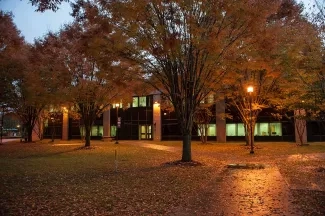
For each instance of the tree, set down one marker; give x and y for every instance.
(43, 5)
(95, 77)
(270, 65)
(264, 85)
(11, 59)
(18, 85)
(306, 95)
(182, 46)
(202, 118)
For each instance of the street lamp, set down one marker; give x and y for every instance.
(53, 129)
(250, 90)
(117, 123)
(18, 131)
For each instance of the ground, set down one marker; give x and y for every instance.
(142, 178)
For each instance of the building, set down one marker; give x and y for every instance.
(145, 120)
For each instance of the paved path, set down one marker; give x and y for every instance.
(256, 192)
(153, 146)
(307, 157)
(9, 140)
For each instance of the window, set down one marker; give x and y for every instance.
(211, 130)
(231, 129)
(149, 101)
(143, 101)
(95, 130)
(46, 123)
(114, 105)
(261, 129)
(211, 99)
(135, 102)
(113, 131)
(276, 129)
(241, 129)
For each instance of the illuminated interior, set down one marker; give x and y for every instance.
(261, 129)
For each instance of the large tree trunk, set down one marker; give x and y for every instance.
(187, 124)
(186, 154)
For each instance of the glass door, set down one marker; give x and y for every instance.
(145, 132)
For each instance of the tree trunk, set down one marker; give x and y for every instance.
(300, 125)
(30, 134)
(247, 134)
(206, 127)
(186, 154)
(87, 135)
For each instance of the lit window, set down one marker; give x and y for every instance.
(114, 105)
(241, 129)
(211, 130)
(113, 131)
(210, 98)
(135, 102)
(142, 101)
(231, 130)
(275, 129)
(262, 130)
(94, 131)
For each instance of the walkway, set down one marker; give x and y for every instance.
(9, 140)
(153, 146)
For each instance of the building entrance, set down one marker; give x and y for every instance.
(145, 132)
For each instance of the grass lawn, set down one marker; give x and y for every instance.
(58, 179)
(43, 179)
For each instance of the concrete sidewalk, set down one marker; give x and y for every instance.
(153, 146)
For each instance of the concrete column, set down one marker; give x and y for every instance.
(65, 125)
(106, 124)
(220, 120)
(300, 126)
(36, 133)
(156, 118)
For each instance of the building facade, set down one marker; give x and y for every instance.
(144, 119)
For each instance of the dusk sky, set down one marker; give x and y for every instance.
(36, 24)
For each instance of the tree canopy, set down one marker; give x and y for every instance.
(186, 48)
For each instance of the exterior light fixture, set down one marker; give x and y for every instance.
(117, 123)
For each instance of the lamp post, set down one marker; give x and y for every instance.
(250, 90)
(53, 129)
(18, 131)
(117, 123)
